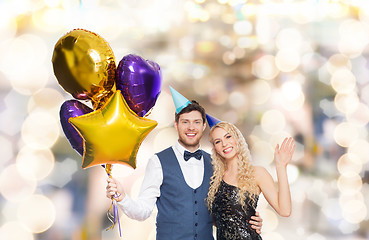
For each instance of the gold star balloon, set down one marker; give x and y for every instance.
(112, 134)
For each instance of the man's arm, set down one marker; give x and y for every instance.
(141, 208)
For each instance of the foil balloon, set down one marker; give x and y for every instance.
(84, 65)
(73, 108)
(140, 83)
(112, 134)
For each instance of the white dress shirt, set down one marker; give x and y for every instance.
(142, 207)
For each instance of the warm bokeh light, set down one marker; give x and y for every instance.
(274, 68)
(238, 100)
(47, 99)
(270, 220)
(353, 31)
(353, 196)
(243, 27)
(349, 162)
(343, 81)
(289, 38)
(346, 102)
(354, 211)
(13, 186)
(293, 104)
(35, 164)
(28, 53)
(15, 230)
(229, 58)
(273, 121)
(360, 116)
(37, 213)
(337, 62)
(361, 149)
(291, 90)
(273, 236)
(265, 67)
(163, 114)
(260, 92)
(40, 130)
(6, 149)
(170, 134)
(8, 27)
(330, 207)
(287, 60)
(293, 173)
(262, 153)
(345, 134)
(349, 183)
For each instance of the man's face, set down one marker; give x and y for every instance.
(190, 128)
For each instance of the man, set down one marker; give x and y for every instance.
(177, 181)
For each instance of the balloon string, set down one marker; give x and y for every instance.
(113, 213)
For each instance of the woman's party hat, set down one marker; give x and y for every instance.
(212, 121)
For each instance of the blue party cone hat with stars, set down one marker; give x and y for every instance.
(180, 101)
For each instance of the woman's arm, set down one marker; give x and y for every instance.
(279, 199)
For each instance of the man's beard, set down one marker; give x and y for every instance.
(188, 144)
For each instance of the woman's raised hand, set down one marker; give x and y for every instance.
(283, 154)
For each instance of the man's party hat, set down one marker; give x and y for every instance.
(180, 101)
(212, 121)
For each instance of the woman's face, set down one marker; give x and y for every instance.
(224, 143)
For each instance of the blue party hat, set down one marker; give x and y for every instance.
(180, 101)
(212, 121)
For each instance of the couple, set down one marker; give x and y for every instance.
(191, 190)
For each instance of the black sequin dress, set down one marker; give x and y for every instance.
(232, 221)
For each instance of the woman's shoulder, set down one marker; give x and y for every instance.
(259, 171)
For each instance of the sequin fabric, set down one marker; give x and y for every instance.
(232, 221)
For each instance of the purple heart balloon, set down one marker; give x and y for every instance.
(140, 83)
(73, 108)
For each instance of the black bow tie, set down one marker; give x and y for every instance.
(187, 155)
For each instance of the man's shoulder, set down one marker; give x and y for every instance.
(165, 150)
(207, 156)
(206, 153)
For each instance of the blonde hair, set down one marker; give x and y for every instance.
(246, 179)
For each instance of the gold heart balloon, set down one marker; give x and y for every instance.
(84, 65)
(112, 133)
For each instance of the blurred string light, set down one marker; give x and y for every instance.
(22, 63)
(351, 134)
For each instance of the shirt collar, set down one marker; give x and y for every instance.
(181, 149)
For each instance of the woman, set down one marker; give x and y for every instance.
(236, 184)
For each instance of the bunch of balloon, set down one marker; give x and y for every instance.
(122, 96)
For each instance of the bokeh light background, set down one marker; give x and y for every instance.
(273, 67)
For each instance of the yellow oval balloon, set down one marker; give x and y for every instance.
(84, 65)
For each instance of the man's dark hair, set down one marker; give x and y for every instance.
(193, 106)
